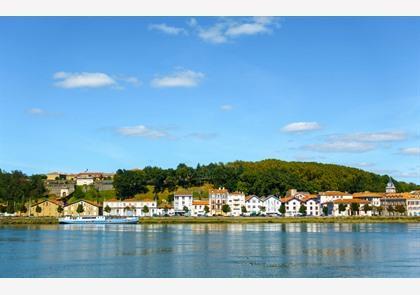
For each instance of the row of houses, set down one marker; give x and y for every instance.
(221, 202)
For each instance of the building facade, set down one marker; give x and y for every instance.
(235, 201)
(46, 208)
(253, 204)
(343, 207)
(330, 196)
(292, 206)
(130, 207)
(313, 206)
(217, 198)
(413, 206)
(89, 209)
(199, 208)
(181, 201)
(271, 204)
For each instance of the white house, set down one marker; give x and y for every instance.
(253, 204)
(181, 201)
(130, 207)
(330, 196)
(271, 204)
(165, 209)
(84, 180)
(346, 204)
(373, 198)
(292, 205)
(313, 206)
(235, 201)
(413, 206)
(199, 207)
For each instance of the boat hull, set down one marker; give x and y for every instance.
(129, 220)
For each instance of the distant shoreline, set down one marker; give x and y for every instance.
(230, 220)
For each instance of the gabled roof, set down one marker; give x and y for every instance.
(265, 198)
(309, 197)
(247, 198)
(288, 199)
(218, 191)
(368, 194)
(89, 202)
(56, 202)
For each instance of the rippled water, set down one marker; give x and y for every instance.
(211, 250)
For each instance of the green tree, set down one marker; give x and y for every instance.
(325, 210)
(390, 209)
(185, 209)
(379, 209)
(23, 208)
(302, 209)
(354, 207)
(206, 209)
(80, 209)
(60, 209)
(282, 208)
(78, 193)
(342, 207)
(226, 208)
(243, 209)
(107, 209)
(262, 208)
(367, 208)
(400, 209)
(38, 209)
(128, 183)
(145, 209)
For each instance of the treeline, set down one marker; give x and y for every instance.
(16, 188)
(260, 178)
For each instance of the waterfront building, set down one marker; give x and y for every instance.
(236, 201)
(330, 196)
(164, 209)
(271, 204)
(89, 209)
(373, 198)
(253, 204)
(413, 205)
(217, 198)
(130, 207)
(198, 207)
(312, 204)
(346, 204)
(56, 176)
(46, 208)
(292, 205)
(391, 202)
(390, 187)
(181, 201)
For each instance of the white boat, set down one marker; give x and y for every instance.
(97, 220)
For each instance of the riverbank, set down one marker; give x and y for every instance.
(232, 220)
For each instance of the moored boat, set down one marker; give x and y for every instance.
(98, 220)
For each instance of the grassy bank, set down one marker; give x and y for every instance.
(28, 220)
(231, 220)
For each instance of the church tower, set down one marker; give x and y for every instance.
(390, 187)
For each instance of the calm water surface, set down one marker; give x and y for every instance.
(211, 250)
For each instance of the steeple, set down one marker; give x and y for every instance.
(390, 187)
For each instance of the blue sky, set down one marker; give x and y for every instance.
(104, 93)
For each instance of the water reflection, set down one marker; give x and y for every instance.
(211, 250)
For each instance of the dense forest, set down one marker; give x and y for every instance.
(260, 178)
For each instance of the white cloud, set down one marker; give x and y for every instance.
(227, 28)
(410, 151)
(170, 30)
(37, 111)
(80, 80)
(364, 164)
(142, 131)
(341, 147)
(374, 136)
(301, 127)
(184, 78)
(226, 107)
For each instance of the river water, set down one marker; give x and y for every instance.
(211, 250)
